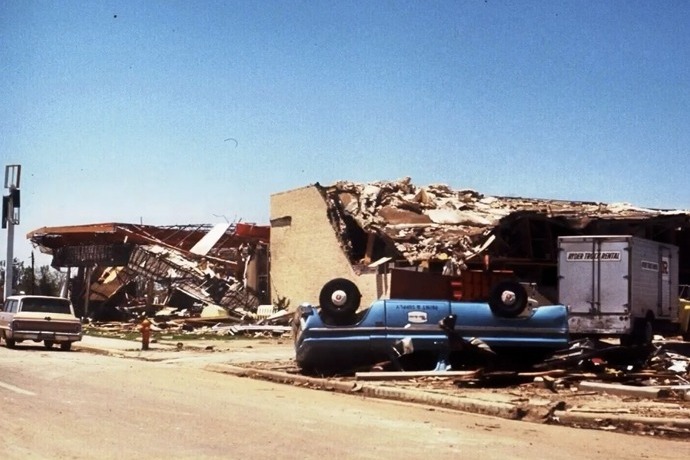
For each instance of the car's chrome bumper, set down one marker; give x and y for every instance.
(45, 335)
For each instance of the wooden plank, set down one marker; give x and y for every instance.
(621, 390)
(204, 245)
(401, 375)
(370, 248)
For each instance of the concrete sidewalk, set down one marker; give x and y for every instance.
(237, 350)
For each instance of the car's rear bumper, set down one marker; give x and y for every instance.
(44, 335)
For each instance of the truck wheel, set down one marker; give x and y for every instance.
(642, 333)
(647, 333)
(48, 344)
(11, 343)
(65, 346)
(508, 299)
(340, 298)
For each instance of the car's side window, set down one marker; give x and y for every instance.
(15, 306)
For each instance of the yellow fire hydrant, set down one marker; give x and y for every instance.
(145, 329)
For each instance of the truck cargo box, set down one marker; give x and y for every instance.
(617, 285)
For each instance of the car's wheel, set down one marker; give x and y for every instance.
(48, 344)
(11, 343)
(508, 299)
(340, 298)
(65, 346)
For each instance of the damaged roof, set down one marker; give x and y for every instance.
(435, 222)
(205, 262)
(182, 237)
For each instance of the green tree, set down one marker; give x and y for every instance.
(25, 280)
(49, 281)
(43, 281)
(17, 273)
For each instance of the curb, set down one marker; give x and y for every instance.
(477, 406)
(638, 392)
(96, 350)
(586, 418)
(503, 410)
(134, 353)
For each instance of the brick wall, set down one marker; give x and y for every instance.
(305, 252)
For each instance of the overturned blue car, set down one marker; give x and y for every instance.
(335, 337)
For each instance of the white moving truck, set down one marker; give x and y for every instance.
(618, 286)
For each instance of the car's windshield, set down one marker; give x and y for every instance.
(46, 305)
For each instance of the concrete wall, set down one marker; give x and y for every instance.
(305, 252)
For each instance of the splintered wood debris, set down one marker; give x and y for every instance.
(173, 321)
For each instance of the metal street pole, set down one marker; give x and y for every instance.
(9, 267)
(11, 218)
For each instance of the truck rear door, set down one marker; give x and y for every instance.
(593, 275)
(668, 284)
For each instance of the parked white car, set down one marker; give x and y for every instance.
(39, 318)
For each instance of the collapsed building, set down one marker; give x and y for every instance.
(372, 232)
(114, 268)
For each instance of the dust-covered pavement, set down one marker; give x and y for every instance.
(196, 352)
(536, 401)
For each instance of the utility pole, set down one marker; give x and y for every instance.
(10, 218)
(33, 274)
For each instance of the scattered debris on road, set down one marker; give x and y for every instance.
(173, 322)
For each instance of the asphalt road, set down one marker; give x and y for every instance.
(72, 405)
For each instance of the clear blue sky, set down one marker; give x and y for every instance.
(120, 110)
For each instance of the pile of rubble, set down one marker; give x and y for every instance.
(178, 286)
(435, 222)
(661, 369)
